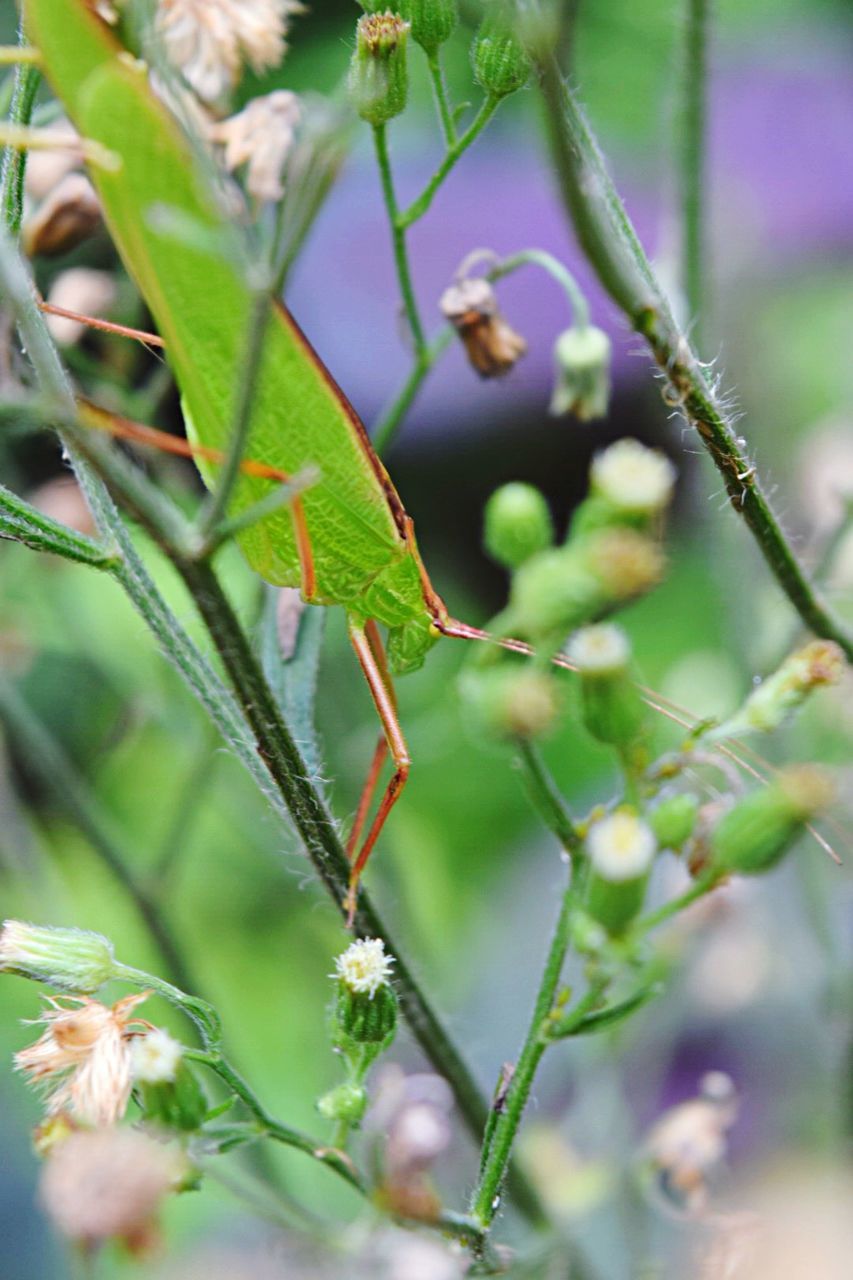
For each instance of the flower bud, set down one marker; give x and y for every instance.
(757, 831)
(582, 387)
(673, 820)
(378, 77)
(432, 21)
(69, 959)
(501, 65)
(817, 664)
(518, 524)
(347, 1102)
(613, 710)
(366, 1007)
(492, 346)
(624, 562)
(633, 480)
(553, 592)
(512, 701)
(166, 1086)
(69, 215)
(621, 849)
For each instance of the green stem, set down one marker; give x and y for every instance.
(54, 771)
(546, 797)
(391, 421)
(486, 1199)
(27, 81)
(691, 149)
(21, 522)
(610, 242)
(199, 1011)
(675, 905)
(555, 269)
(418, 207)
(398, 237)
(20, 54)
(440, 90)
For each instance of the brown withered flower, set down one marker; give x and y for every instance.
(66, 217)
(492, 345)
(84, 1057)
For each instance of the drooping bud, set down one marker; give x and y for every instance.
(633, 480)
(758, 830)
(501, 65)
(68, 216)
(512, 701)
(346, 1102)
(517, 524)
(68, 959)
(582, 387)
(621, 849)
(816, 665)
(673, 820)
(378, 77)
(612, 707)
(166, 1086)
(492, 346)
(366, 1007)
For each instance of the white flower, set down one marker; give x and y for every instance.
(155, 1057)
(599, 650)
(364, 966)
(260, 137)
(621, 846)
(632, 477)
(208, 41)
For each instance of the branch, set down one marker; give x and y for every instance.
(610, 242)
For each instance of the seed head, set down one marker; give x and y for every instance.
(260, 137)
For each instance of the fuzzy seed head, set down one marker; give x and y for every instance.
(626, 563)
(155, 1057)
(632, 478)
(260, 137)
(600, 650)
(621, 846)
(364, 967)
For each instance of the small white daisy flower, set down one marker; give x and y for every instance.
(599, 650)
(621, 846)
(155, 1057)
(633, 478)
(364, 966)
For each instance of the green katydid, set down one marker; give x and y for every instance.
(347, 540)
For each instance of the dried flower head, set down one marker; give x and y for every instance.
(68, 215)
(155, 1057)
(83, 290)
(260, 137)
(626, 563)
(71, 959)
(364, 967)
(209, 41)
(109, 1185)
(633, 478)
(84, 1057)
(493, 347)
(688, 1143)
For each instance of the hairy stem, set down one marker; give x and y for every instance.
(441, 101)
(27, 81)
(419, 207)
(611, 244)
(691, 146)
(546, 797)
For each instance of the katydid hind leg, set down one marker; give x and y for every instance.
(376, 673)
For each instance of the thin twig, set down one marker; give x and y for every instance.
(691, 149)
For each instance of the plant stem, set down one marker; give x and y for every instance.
(486, 1199)
(691, 145)
(675, 905)
(398, 237)
(391, 421)
(546, 797)
(418, 207)
(20, 54)
(611, 244)
(21, 522)
(555, 269)
(27, 81)
(54, 770)
(440, 90)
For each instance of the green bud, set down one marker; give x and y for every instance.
(378, 77)
(501, 65)
(624, 562)
(364, 1018)
(518, 524)
(176, 1104)
(347, 1102)
(552, 593)
(632, 479)
(621, 849)
(673, 820)
(612, 707)
(758, 830)
(816, 665)
(512, 701)
(432, 21)
(69, 959)
(582, 387)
